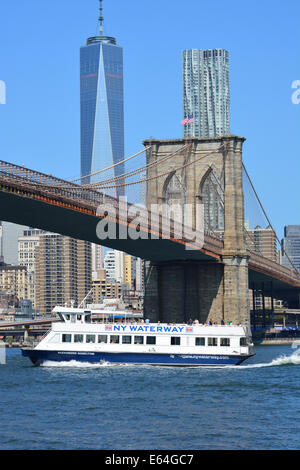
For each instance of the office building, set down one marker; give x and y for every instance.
(291, 246)
(101, 107)
(264, 242)
(206, 92)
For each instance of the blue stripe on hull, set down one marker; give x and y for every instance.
(40, 356)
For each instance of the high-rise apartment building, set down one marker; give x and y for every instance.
(206, 92)
(291, 246)
(63, 271)
(102, 107)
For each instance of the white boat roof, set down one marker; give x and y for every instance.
(86, 311)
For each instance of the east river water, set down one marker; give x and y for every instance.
(253, 406)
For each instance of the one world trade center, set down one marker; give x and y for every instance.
(102, 110)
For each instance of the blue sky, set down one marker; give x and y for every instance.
(39, 62)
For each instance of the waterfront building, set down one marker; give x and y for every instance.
(14, 280)
(26, 250)
(101, 107)
(63, 271)
(206, 92)
(291, 246)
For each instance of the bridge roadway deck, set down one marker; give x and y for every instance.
(43, 201)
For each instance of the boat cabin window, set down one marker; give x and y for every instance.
(139, 340)
(66, 338)
(55, 338)
(224, 341)
(79, 317)
(67, 317)
(90, 338)
(175, 341)
(88, 319)
(126, 339)
(151, 340)
(78, 338)
(212, 342)
(199, 341)
(102, 338)
(114, 339)
(243, 341)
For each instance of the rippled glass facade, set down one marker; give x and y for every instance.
(102, 110)
(206, 92)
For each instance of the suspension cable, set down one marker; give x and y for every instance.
(138, 170)
(112, 166)
(265, 214)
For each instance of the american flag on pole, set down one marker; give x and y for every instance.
(188, 120)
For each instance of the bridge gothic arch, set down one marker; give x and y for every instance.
(174, 196)
(211, 191)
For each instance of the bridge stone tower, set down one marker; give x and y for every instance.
(205, 171)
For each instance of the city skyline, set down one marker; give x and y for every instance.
(261, 106)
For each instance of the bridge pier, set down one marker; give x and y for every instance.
(178, 291)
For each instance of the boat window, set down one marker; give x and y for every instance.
(151, 340)
(90, 338)
(55, 338)
(126, 339)
(114, 339)
(139, 340)
(243, 341)
(79, 317)
(67, 317)
(175, 341)
(225, 342)
(88, 319)
(199, 341)
(78, 338)
(212, 342)
(66, 338)
(102, 338)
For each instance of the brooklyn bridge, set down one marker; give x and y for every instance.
(207, 272)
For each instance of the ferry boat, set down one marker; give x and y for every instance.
(132, 341)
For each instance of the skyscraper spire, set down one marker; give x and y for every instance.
(101, 19)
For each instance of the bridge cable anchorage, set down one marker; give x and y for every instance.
(138, 170)
(269, 222)
(162, 174)
(112, 166)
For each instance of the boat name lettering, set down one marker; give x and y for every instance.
(147, 329)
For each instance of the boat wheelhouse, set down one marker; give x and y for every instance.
(121, 338)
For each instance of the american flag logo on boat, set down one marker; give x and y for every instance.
(108, 328)
(189, 330)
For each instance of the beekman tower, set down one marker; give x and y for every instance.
(101, 108)
(206, 92)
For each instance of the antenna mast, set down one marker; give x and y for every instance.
(101, 19)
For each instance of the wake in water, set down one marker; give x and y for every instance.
(293, 359)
